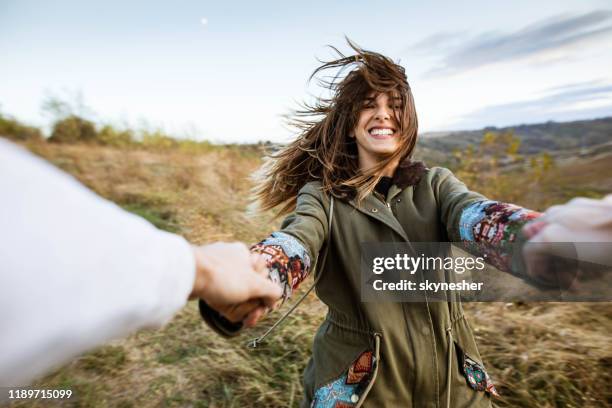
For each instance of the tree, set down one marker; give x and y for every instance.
(496, 169)
(70, 118)
(481, 167)
(73, 129)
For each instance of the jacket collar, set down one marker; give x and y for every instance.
(407, 174)
(375, 208)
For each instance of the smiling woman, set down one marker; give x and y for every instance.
(376, 131)
(345, 141)
(348, 179)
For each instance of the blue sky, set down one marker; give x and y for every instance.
(229, 71)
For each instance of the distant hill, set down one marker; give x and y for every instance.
(553, 137)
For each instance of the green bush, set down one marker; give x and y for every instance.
(13, 129)
(195, 146)
(73, 129)
(110, 136)
(158, 140)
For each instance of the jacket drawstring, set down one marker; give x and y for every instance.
(449, 332)
(254, 342)
(377, 337)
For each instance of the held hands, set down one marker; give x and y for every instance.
(234, 281)
(578, 231)
(579, 220)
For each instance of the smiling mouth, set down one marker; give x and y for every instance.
(381, 133)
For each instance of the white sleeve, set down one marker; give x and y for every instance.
(75, 269)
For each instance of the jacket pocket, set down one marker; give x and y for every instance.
(353, 377)
(475, 374)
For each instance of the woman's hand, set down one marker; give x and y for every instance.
(249, 313)
(259, 313)
(241, 311)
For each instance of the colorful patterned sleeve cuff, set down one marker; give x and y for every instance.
(491, 228)
(287, 260)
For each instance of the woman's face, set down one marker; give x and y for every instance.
(377, 130)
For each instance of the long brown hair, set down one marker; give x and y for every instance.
(323, 149)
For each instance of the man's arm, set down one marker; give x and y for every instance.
(76, 270)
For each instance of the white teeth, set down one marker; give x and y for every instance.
(381, 132)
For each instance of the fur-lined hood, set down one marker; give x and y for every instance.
(409, 173)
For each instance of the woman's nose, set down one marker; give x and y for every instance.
(382, 113)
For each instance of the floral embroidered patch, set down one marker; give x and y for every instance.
(477, 377)
(287, 260)
(346, 390)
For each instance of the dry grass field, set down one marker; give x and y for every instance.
(540, 355)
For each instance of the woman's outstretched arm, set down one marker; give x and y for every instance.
(484, 226)
(290, 255)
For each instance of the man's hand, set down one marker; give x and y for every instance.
(233, 281)
(568, 236)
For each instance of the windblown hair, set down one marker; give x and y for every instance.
(324, 150)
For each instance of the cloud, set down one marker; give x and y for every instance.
(574, 86)
(442, 41)
(537, 41)
(583, 100)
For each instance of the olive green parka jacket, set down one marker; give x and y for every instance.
(386, 354)
(409, 339)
